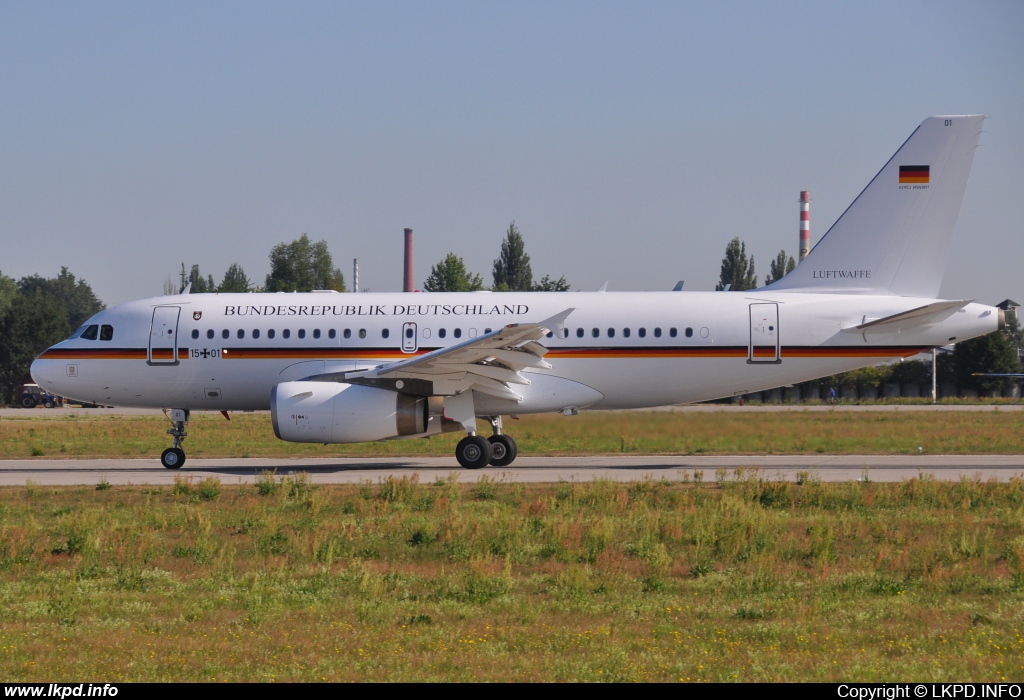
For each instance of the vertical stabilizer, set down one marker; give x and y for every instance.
(895, 236)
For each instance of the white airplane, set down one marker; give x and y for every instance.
(341, 368)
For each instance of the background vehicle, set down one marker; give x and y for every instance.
(31, 395)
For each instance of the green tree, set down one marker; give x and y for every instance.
(235, 280)
(737, 272)
(74, 295)
(451, 275)
(34, 322)
(549, 285)
(990, 353)
(779, 267)
(1014, 332)
(302, 266)
(512, 271)
(200, 284)
(8, 290)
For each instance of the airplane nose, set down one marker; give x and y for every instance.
(44, 373)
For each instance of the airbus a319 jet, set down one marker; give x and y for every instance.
(343, 368)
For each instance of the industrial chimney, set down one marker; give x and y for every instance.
(805, 225)
(407, 286)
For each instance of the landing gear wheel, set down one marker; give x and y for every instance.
(173, 458)
(473, 452)
(503, 450)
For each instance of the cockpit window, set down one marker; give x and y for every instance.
(90, 332)
(106, 332)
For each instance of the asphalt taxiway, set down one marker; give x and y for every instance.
(84, 472)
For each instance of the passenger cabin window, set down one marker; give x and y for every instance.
(240, 334)
(625, 332)
(689, 332)
(106, 332)
(457, 332)
(271, 333)
(347, 333)
(657, 332)
(256, 334)
(332, 334)
(642, 332)
(385, 333)
(302, 333)
(90, 332)
(362, 332)
(595, 332)
(408, 332)
(286, 333)
(579, 332)
(209, 334)
(225, 333)
(441, 332)
(611, 332)
(673, 332)
(316, 332)
(195, 333)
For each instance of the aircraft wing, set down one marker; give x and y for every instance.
(490, 364)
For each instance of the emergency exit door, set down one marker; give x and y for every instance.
(163, 336)
(410, 341)
(764, 333)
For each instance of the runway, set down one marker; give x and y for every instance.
(881, 468)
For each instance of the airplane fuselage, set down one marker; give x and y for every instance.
(616, 350)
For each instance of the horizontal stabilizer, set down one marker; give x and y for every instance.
(921, 316)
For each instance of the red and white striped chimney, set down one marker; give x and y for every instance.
(805, 224)
(408, 284)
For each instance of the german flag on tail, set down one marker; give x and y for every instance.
(914, 174)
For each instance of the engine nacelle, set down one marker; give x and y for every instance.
(332, 412)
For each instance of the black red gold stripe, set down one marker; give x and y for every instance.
(110, 354)
(577, 353)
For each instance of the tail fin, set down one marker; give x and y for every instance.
(895, 236)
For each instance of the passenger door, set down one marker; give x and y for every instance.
(163, 336)
(764, 333)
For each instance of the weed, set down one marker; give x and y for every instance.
(208, 489)
(103, 484)
(266, 484)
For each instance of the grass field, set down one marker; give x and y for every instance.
(726, 432)
(740, 580)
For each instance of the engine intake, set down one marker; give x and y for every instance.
(331, 412)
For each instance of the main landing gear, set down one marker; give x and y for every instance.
(476, 452)
(173, 457)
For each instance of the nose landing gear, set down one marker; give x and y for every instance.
(173, 457)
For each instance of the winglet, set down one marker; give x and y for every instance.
(557, 322)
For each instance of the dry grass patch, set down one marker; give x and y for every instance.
(727, 432)
(749, 579)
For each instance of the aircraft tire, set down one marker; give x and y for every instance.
(503, 450)
(473, 452)
(172, 458)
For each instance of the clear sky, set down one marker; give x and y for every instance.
(629, 141)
